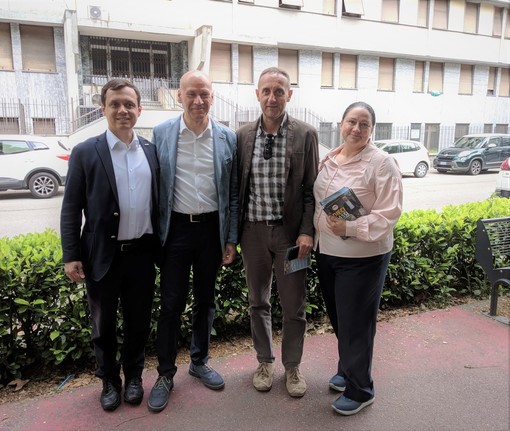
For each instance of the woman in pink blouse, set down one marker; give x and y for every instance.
(353, 256)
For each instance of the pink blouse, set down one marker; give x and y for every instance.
(374, 177)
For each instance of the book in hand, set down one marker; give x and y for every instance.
(291, 262)
(343, 204)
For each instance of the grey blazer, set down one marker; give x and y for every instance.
(166, 138)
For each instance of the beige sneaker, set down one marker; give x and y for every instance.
(296, 385)
(263, 378)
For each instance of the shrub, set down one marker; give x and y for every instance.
(44, 318)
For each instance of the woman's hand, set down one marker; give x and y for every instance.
(337, 225)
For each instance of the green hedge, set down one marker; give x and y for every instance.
(44, 318)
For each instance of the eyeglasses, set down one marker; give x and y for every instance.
(268, 146)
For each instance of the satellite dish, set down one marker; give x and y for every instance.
(96, 99)
(95, 12)
(435, 93)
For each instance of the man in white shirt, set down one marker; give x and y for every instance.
(198, 228)
(113, 183)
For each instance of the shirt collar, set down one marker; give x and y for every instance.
(112, 140)
(206, 133)
(281, 130)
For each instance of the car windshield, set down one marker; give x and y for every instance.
(469, 142)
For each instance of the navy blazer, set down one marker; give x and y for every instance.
(91, 191)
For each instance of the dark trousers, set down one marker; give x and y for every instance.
(352, 289)
(129, 280)
(188, 245)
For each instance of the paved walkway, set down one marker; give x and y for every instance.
(438, 370)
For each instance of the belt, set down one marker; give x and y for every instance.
(278, 222)
(195, 218)
(145, 241)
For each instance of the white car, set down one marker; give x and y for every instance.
(411, 156)
(503, 180)
(34, 163)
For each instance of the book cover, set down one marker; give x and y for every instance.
(292, 263)
(343, 204)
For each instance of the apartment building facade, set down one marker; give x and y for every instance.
(432, 69)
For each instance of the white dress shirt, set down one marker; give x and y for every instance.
(133, 177)
(195, 189)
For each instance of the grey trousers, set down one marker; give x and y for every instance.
(263, 247)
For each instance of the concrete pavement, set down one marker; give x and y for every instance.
(437, 370)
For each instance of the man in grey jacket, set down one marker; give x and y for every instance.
(198, 228)
(278, 160)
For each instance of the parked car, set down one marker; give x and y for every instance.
(411, 156)
(34, 163)
(473, 154)
(503, 180)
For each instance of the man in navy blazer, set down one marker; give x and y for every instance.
(198, 228)
(112, 188)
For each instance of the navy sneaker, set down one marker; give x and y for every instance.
(337, 383)
(207, 375)
(346, 406)
(158, 398)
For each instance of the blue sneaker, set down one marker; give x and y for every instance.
(207, 375)
(337, 383)
(346, 406)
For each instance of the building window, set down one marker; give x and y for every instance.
(386, 74)
(383, 131)
(436, 78)
(44, 126)
(497, 21)
(327, 70)
(129, 58)
(390, 10)
(329, 7)
(245, 64)
(487, 128)
(423, 13)
(37, 48)
(5, 47)
(431, 139)
(288, 61)
(415, 132)
(471, 17)
(501, 128)
(9, 125)
(466, 79)
(491, 84)
(348, 71)
(440, 19)
(504, 82)
(461, 130)
(507, 25)
(353, 8)
(221, 62)
(419, 74)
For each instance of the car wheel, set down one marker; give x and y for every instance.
(43, 185)
(421, 170)
(475, 167)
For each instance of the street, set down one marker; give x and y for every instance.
(20, 213)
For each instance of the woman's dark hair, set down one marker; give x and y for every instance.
(363, 105)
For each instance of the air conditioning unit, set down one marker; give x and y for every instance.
(95, 12)
(291, 4)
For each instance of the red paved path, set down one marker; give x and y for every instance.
(439, 370)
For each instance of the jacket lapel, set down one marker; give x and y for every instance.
(106, 159)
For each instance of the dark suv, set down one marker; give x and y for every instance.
(474, 153)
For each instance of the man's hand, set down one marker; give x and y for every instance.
(305, 243)
(229, 254)
(74, 270)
